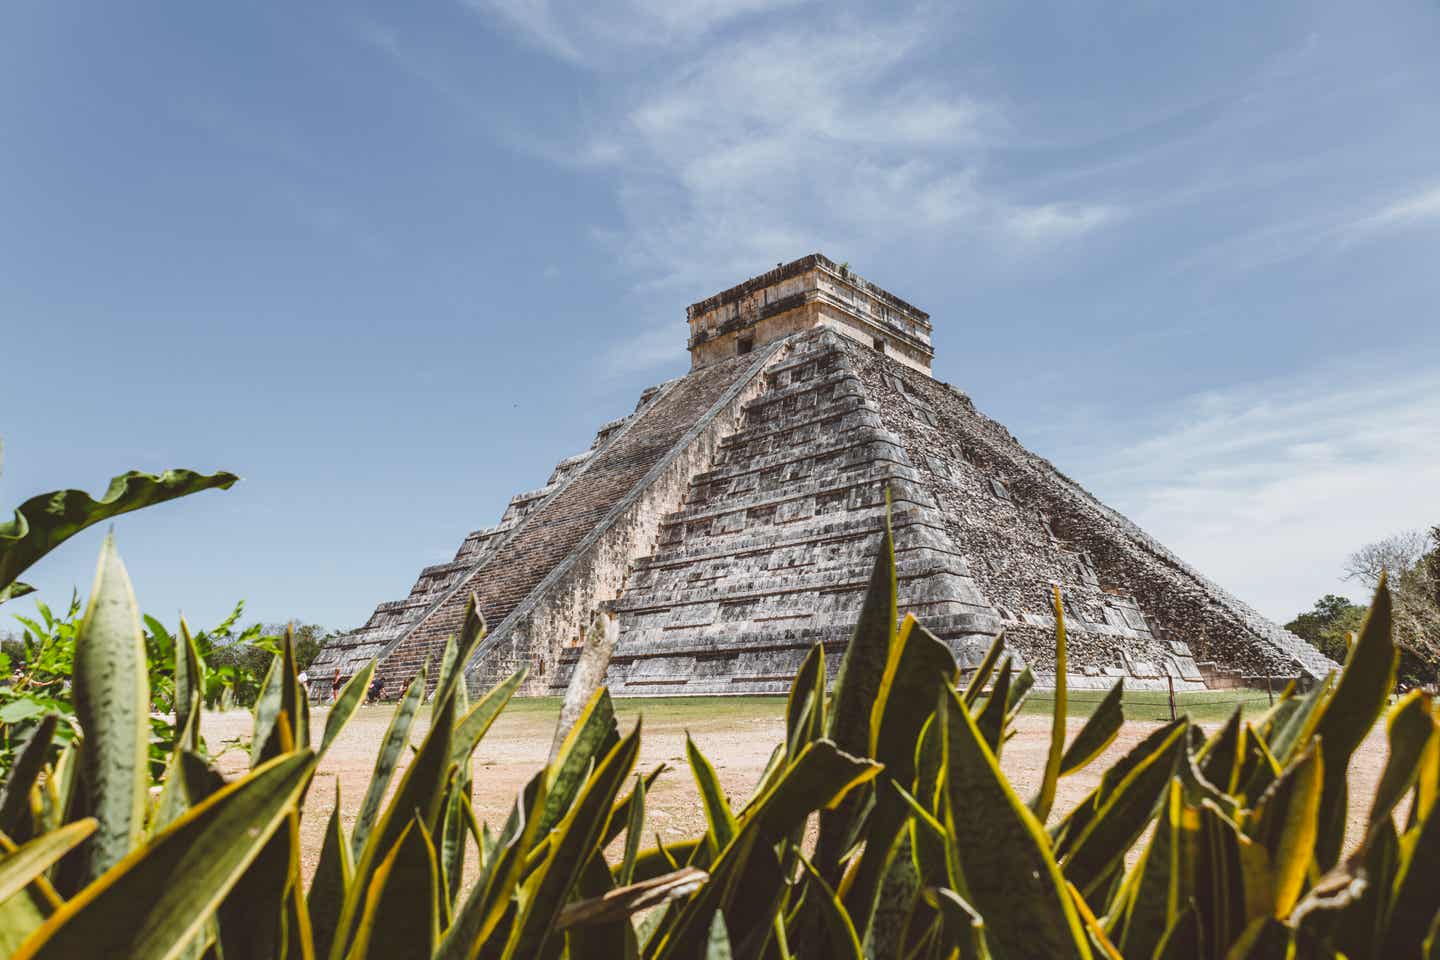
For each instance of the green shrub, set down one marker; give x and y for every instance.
(1227, 845)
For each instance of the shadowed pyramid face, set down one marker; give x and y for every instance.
(731, 522)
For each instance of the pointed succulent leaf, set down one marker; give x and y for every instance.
(841, 940)
(1045, 796)
(1002, 852)
(332, 876)
(189, 689)
(805, 705)
(475, 722)
(990, 721)
(20, 867)
(16, 820)
(981, 676)
(592, 736)
(138, 910)
(1285, 824)
(42, 523)
(397, 735)
(634, 828)
(349, 700)
(112, 703)
(1410, 728)
(712, 796)
(402, 903)
(1099, 731)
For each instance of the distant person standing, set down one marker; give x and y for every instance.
(335, 685)
(376, 691)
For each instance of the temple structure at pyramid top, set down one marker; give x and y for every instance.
(731, 520)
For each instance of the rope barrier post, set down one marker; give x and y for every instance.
(1170, 683)
(1269, 690)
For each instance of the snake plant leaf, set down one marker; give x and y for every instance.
(981, 676)
(1258, 770)
(1285, 824)
(269, 703)
(420, 792)
(349, 700)
(489, 900)
(1162, 739)
(397, 735)
(1019, 693)
(1289, 734)
(661, 859)
(1099, 731)
(138, 910)
(1360, 695)
(332, 876)
(22, 912)
(575, 842)
(42, 523)
(1002, 851)
(805, 705)
(454, 829)
(112, 703)
(20, 867)
(918, 670)
(1226, 886)
(841, 940)
(634, 827)
(847, 718)
(593, 735)
(1045, 796)
(1360, 925)
(402, 903)
(1158, 889)
(189, 689)
(475, 722)
(717, 944)
(472, 632)
(622, 901)
(1220, 758)
(1416, 897)
(1099, 939)
(990, 721)
(16, 820)
(1090, 854)
(621, 816)
(1185, 939)
(1410, 728)
(717, 809)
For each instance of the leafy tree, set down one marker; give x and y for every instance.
(1327, 625)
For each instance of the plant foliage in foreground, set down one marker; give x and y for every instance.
(922, 846)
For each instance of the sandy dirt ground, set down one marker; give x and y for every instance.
(737, 736)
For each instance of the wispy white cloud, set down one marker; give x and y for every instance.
(645, 350)
(1417, 207)
(1269, 485)
(1056, 221)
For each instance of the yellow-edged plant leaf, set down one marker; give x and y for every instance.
(22, 866)
(1285, 824)
(1002, 852)
(805, 704)
(475, 722)
(112, 703)
(397, 736)
(1045, 796)
(981, 676)
(333, 874)
(150, 904)
(592, 736)
(841, 940)
(402, 902)
(1410, 728)
(635, 825)
(345, 705)
(16, 820)
(717, 809)
(1099, 731)
(990, 721)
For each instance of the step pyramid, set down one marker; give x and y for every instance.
(730, 522)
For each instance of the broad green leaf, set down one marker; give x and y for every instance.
(717, 808)
(351, 696)
(42, 523)
(333, 874)
(20, 867)
(1002, 852)
(1045, 797)
(402, 903)
(455, 827)
(574, 843)
(1099, 731)
(138, 910)
(397, 736)
(265, 714)
(112, 703)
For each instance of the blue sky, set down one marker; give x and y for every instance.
(390, 262)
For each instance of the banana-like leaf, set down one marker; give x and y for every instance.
(351, 696)
(1099, 731)
(717, 809)
(1360, 695)
(402, 904)
(20, 867)
(1002, 852)
(332, 876)
(1285, 824)
(42, 523)
(154, 901)
(1045, 796)
(112, 703)
(397, 735)
(16, 820)
(635, 824)
(574, 843)
(476, 721)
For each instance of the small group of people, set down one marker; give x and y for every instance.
(337, 683)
